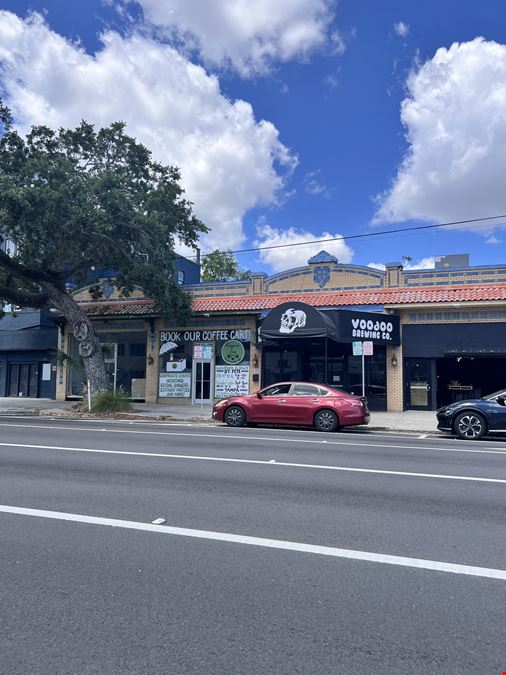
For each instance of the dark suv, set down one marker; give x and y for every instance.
(473, 418)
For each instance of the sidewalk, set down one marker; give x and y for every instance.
(412, 420)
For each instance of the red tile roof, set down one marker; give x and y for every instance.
(387, 296)
(121, 308)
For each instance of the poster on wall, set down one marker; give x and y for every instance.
(231, 381)
(203, 352)
(175, 385)
(233, 352)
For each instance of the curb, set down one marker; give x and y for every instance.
(122, 417)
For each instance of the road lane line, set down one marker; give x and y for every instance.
(350, 554)
(324, 442)
(264, 462)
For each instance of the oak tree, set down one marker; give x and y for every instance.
(75, 200)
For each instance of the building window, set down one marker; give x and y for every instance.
(180, 277)
(9, 247)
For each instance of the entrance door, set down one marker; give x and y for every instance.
(202, 381)
(418, 383)
(23, 379)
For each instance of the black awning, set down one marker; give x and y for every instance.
(297, 320)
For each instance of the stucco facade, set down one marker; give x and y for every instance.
(442, 297)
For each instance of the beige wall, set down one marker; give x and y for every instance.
(395, 388)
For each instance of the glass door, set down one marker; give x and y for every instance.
(202, 379)
(418, 384)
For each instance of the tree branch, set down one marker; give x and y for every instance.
(18, 270)
(33, 300)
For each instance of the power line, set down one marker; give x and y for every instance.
(365, 235)
(368, 234)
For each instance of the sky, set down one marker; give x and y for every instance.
(291, 120)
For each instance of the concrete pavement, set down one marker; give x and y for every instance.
(92, 598)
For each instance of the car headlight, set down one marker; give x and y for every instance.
(220, 404)
(446, 411)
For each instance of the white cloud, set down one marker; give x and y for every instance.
(492, 239)
(296, 256)
(401, 29)
(247, 36)
(230, 162)
(422, 264)
(314, 186)
(331, 81)
(456, 129)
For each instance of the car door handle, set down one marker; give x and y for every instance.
(282, 400)
(316, 400)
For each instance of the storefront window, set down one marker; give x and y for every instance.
(375, 374)
(203, 365)
(125, 364)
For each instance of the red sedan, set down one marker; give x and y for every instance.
(300, 403)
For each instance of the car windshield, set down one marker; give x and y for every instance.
(490, 397)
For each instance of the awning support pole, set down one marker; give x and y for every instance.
(326, 361)
(363, 371)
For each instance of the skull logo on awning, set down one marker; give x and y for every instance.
(292, 319)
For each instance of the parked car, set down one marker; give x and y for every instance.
(294, 403)
(473, 418)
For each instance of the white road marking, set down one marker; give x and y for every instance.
(350, 554)
(278, 439)
(265, 462)
(158, 521)
(423, 436)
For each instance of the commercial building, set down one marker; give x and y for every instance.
(29, 340)
(435, 335)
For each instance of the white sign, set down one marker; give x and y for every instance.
(357, 348)
(175, 385)
(231, 381)
(46, 371)
(175, 366)
(202, 352)
(368, 348)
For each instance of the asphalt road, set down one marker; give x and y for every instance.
(281, 551)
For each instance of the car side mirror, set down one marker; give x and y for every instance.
(259, 395)
(501, 400)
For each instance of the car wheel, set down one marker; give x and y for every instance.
(235, 416)
(326, 420)
(470, 426)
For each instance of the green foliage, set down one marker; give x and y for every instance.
(110, 402)
(58, 357)
(222, 266)
(78, 198)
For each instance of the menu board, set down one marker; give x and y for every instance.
(175, 385)
(231, 381)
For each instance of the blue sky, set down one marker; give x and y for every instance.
(286, 117)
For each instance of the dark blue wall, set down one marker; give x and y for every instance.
(190, 268)
(28, 337)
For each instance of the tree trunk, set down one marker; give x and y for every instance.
(82, 328)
